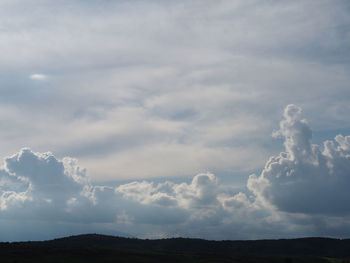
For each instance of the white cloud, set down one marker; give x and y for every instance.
(202, 191)
(302, 191)
(130, 77)
(39, 186)
(306, 178)
(37, 76)
(145, 89)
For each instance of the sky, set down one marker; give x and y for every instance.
(152, 119)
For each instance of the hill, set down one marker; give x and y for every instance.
(102, 248)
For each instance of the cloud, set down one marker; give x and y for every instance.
(202, 191)
(302, 191)
(145, 89)
(305, 178)
(39, 186)
(38, 76)
(130, 79)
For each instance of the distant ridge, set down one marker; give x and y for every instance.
(313, 246)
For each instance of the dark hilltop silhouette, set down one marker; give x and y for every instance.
(102, 248)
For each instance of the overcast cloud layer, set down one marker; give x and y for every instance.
(303, 191)
(170, 106)
(140, 89)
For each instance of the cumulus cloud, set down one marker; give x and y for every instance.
(305, 178)
(201, 192)
(37, 185)
(302, 191)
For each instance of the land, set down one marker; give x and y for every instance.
(102, 248)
